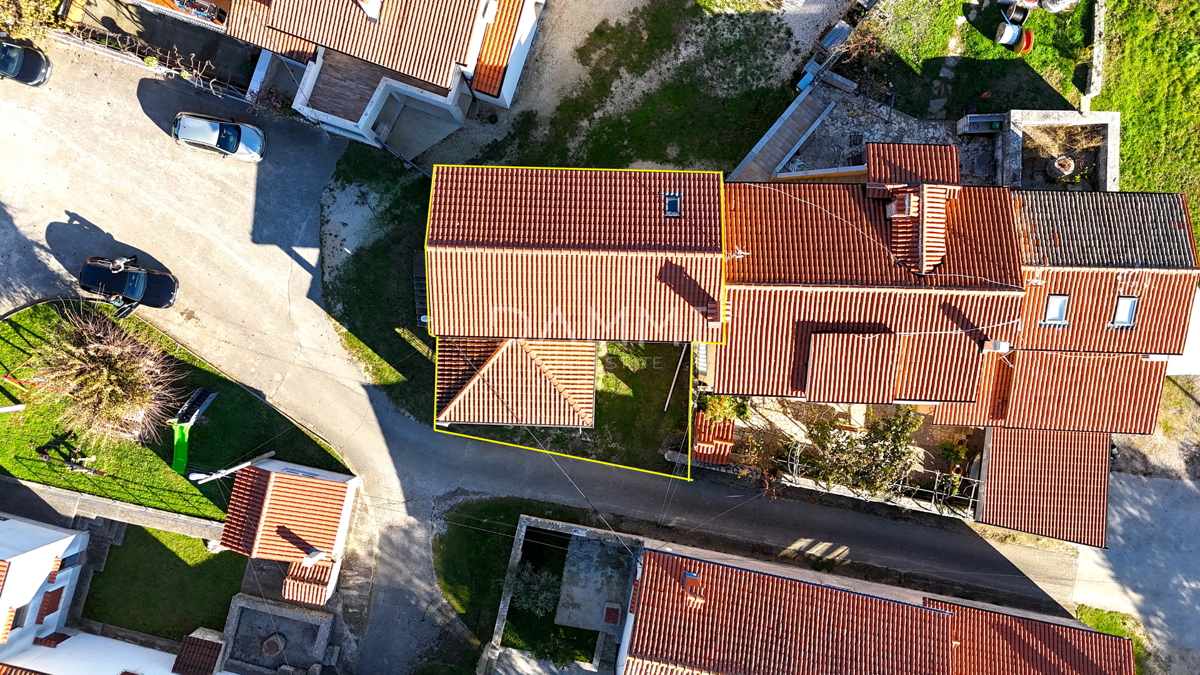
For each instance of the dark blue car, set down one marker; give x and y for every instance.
(126, 286)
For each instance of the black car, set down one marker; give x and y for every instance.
(126, 286)
(27, 65)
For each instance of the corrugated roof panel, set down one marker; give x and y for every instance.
(1104, 229)
(1164, 308)
(746, 623)
(248, 22)
(1050, 483)
(853, 368)
(990, 643)
(892, 163)
(497, 48)
(826, 234)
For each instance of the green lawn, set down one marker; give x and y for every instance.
(1116, 623)
(239, 426)
(631, 426)
(1153, 78)
(890, 45)
(164, 584)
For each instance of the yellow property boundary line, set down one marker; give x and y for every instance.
(691, 346)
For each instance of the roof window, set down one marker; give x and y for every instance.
(1125, 312)
(1056, 310)
(673, 205)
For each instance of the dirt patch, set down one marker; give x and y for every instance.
(1044, 144)
(1173, 450)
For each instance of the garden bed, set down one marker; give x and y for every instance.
(236, 427)
(164, 584)
(1043, 144)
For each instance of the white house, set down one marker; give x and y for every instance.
(39, 569)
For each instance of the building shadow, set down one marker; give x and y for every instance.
(75, 238)
(25, 275)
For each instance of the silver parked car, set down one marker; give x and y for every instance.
(223, 137)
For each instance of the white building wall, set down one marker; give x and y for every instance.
(27, 579)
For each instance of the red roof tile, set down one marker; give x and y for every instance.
(1161, 322)
(990, 404)
(574, 255)
(248, 22)
(280, 516)
(990, 643)
(497, 48)
(3, 573)
(6, 622)
(825, 234)
(51, 600)
(309, 585)
(1050, 483)
(532, 383)
(54, 567)
(746, 623)
(197, 656)
(713, 440)
(422, 39)
(6, 669)
(853, 367)
(1114, 393)
(768, 349)
(892, 163)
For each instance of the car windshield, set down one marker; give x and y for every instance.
(135, 287)
(10, 59)
(228, 138)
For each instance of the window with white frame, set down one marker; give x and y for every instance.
(1056, 309)
(1125, 312)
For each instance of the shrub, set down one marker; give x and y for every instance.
(721, 408)
(27, 19)
(874, 460)
(535, 590)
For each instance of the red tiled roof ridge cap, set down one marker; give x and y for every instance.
(1109, 270)
(554, 381)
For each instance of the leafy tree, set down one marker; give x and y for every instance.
(114, 384)
(27, 19)
(535, 590)
(721, 408)
(874, 460)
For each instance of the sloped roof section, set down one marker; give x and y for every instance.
(768, 350)
(458, 361)
(497, 48)
(248, 22)
(1112, 393)
(990, 643)
(1104, 229)
(853, 367)
(197, 656)
(574, 210)
(988, 405)
(1164, 305)
(1049, 483)
(713, 439)
(895, 163)
(247, 499)
(309, 585)
(531, 383)
(739, 622)
(6, 669)
(834, 235)
(422, 39)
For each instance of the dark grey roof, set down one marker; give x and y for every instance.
(1104, 229)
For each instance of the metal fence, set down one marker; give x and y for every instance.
(921, 489)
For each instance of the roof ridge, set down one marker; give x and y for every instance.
(491, 360)
(262, 512)
(549, 374)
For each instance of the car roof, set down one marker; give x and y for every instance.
(196, 129)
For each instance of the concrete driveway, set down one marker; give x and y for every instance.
(87, 168)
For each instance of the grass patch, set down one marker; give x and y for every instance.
(709, 110)
(1123, 625)
(1153, 77)
(631, 427)
(890, 46)
(238, 426)
(164, 584)
(471, 555)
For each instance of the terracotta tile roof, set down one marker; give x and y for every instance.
(422, 39)
(574, 210)
(3, 573)
(1161, 322)
(574, 255)
(1050, 483)
(309, 585)
(525, 382)
(1066, 391)
(6, 669)
(1104, 229)
(713, 440)
(892, 163)
(6, 622)
(826, 234)
(54, 568)
(1114, 393)
(853, 367)
(990, 643)
(51, 600)
(279, 516)
(497, 48)
(248, 22)
(197, 656)
(52, 640)
(746, 623)
(768, 349)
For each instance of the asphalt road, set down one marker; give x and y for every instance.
(87, 168)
